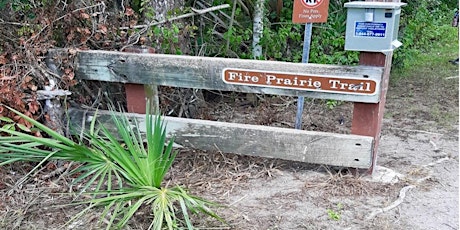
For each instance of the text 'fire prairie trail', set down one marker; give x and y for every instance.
(333, 84)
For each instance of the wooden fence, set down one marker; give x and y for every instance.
(361, 84)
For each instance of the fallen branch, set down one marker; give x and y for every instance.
(437, 162)
(402, 195)
(57, 171)
(2, 22)
(195, 12)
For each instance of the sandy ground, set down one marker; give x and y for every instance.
(423, 195)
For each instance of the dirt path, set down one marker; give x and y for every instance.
(311, 198)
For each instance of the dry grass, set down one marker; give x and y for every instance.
(33, 202)
(345, 183)
(217, 173)
(213, 175)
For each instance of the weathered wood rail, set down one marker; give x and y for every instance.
(206, 73)
(253, 140)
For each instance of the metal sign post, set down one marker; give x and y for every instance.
(305, 57)
(307, 11)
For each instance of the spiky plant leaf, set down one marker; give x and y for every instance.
(17, 146)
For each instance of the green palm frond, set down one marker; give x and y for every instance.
(122, 204)
(136, 162)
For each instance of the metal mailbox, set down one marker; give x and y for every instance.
(372, 26)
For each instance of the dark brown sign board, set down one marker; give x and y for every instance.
(317, 83)
(309, 11)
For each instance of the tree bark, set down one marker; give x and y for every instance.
(258, 28)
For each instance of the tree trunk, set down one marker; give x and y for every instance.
(181, 102)
(258, 28)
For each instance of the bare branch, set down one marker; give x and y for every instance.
(195, 12)
(2, 22)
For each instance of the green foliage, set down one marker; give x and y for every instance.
(237, 41)
(165, 37)
(145, 9)
(331, 104)
(328, 39)
(24, 7)
(169, 38)
(9, 123)
(164, 203)
(422, 24)
(16, 5)
(282, 44)
(282, 40)
(138, 168)
(335, 214)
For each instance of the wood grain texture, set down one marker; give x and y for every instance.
(205, 72)
(272, 142)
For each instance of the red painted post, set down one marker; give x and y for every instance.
(136, 97)
(367, 117)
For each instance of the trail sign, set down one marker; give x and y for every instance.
(309, 11)
(309, 82)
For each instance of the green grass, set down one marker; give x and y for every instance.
(425, 91)
(434, 60)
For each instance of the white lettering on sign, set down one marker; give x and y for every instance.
(310, 11)
(275, 80)
(310, 14)
(336, 84)
(370, 29)
(243, 78)
(297, 81)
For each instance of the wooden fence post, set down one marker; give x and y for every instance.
(367, 117)
(137, 94)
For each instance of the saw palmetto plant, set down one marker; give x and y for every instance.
(122, 171)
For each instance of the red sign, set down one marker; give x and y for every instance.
(330, 84)
(309, 11)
